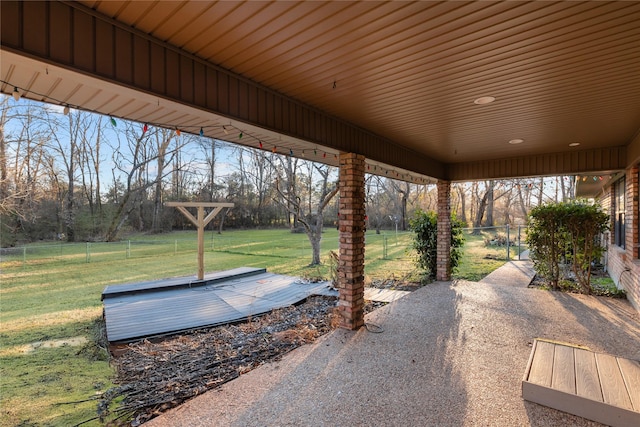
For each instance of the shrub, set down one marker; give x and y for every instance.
(584, 224)
(566, 231)
(547, 240)
(425, 226)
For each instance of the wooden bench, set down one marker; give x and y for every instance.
(596, 386)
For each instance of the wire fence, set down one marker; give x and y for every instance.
(500, 242)
(508, 241)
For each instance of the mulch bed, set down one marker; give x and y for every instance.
(570, 286)
(156, 375)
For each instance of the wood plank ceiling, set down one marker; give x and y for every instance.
(561, 72)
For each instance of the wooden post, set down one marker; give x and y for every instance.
(200, 222)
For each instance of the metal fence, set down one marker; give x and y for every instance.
(509, 241)
(503, 242)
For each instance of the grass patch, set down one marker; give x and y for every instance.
(478, 259)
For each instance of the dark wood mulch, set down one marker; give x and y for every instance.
(154, 376)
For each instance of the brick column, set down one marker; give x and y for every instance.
(443, 261)
(631, 213)
(352, 226)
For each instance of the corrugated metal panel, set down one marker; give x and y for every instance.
(142, 310)
(180, 282)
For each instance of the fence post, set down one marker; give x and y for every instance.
(88, 253)
(385, 254)
(508, 244)
(128, 254)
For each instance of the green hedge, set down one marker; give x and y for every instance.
(425, 227)
(569, 234)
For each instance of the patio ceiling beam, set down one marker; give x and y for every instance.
(573, 163)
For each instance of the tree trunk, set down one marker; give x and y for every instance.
(4, 183)
(313, 231)
(522, 204)
(222, 217)
(463, 208)
(119, 218)
(403, 212)
(315, 239)
(477, 222)
(541, 194)
(489, 222)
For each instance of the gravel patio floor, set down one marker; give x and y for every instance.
(449, 354)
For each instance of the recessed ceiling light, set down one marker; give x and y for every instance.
(484, 100)
(516, 141)
(574, 144)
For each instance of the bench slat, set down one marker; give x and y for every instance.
(587, 381)
(614, 390)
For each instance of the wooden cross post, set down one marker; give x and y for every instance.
(200, 222)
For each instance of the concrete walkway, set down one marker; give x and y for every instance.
(513, 273)
(449, 354)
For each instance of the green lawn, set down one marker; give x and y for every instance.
(479, 260)
(50, 295)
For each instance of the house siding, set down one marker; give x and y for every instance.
(623, 264)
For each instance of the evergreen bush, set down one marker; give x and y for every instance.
(425, 226)
(566, 233)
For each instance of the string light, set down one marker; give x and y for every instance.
(17, 94)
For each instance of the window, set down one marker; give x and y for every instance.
(619, 210)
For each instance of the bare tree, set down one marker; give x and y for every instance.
(162, 139)
(90, 160)
(291, 181)
(143, 148)
(374, 202)
(67, 134)
(312, 221)
(462, 193)
(23, 164)
(260, 174)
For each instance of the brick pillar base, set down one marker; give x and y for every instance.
(352, 227)
(443, 261)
